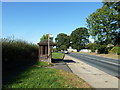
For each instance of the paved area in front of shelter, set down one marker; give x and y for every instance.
(60, 64)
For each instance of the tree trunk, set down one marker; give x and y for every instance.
(78, 50)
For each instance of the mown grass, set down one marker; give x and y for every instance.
(41, 77)
(56, 55)
(43, 64)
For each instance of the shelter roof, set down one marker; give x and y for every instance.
(45, 42)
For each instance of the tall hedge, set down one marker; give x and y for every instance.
(17, 53)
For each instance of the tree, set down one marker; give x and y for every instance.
(103, 24)
(79, 38)
(62, 41)
(116, 6)
(45, 37)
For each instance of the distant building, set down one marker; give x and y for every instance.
(110, 45)
(85, 50)
(71, 50)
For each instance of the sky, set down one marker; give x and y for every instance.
(30, 20)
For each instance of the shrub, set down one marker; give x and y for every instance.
(55, 50)
(93, 49)
(102, 49)
(116, 50)
(91, 46)
(118, 53)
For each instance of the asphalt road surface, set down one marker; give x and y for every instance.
(110, 66)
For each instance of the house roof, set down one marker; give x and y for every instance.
(45, 42)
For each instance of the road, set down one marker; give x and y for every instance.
(110, 66)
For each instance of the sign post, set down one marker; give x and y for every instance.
(49, 59)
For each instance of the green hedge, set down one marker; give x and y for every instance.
(116, 50)
(17, 53)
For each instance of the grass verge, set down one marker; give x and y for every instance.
(43, 64)
(110, 55)
(56, 55)
(41, 77)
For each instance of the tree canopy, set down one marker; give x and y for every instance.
(62, 41)
(104, 24)
(45, 37)
(79, 38)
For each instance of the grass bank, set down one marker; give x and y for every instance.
(110, 55)
(42, 77)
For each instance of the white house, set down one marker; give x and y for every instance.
(71, 50)
(85, 50)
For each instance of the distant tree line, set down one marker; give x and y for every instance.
(77, 40)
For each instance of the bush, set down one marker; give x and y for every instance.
(91, 46)
(116, 50)
(102, 49)
(118, 53)
(55, 50)
(93, 49)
